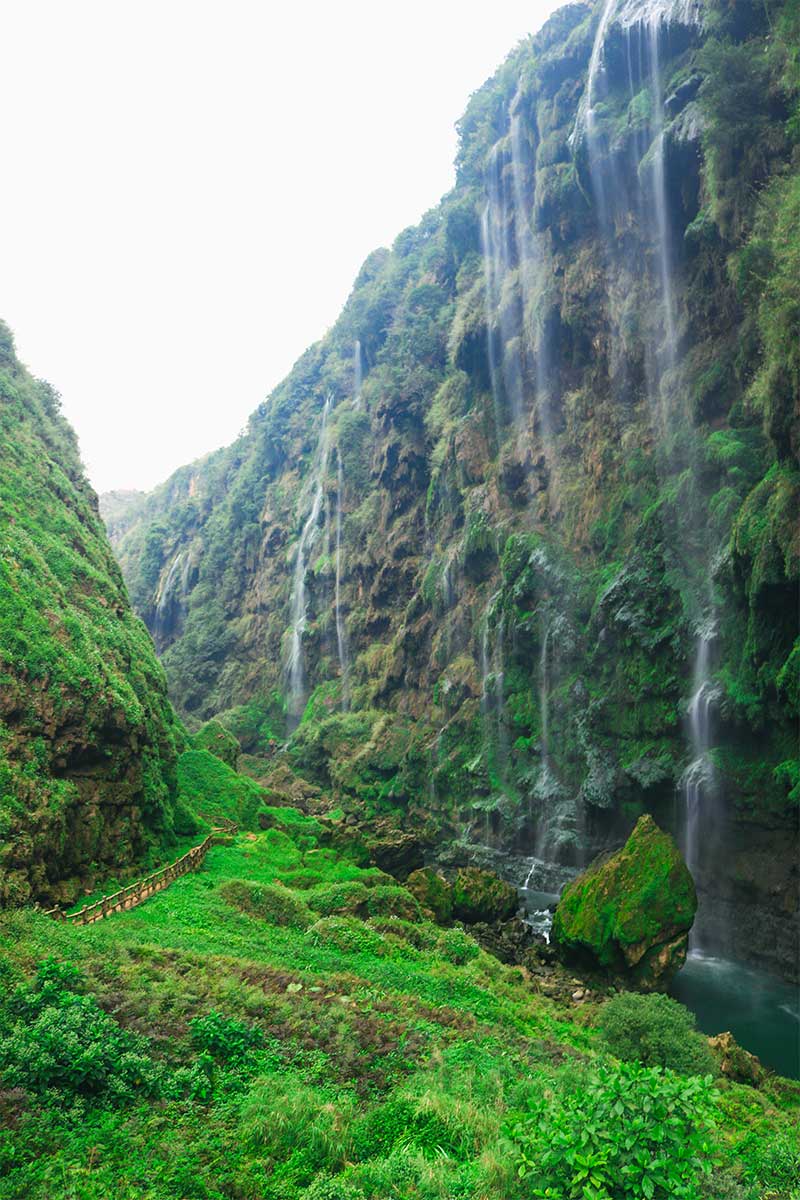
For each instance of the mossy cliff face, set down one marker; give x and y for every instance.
(516, 543)
(87, 734)
(632, 912)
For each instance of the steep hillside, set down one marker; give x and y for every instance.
(87, 734)
(513, 553)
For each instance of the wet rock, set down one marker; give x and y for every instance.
(735, 1062)
(630, 913)
(395, 851)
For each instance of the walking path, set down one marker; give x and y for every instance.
(136, 893)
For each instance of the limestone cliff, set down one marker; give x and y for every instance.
(513, 551)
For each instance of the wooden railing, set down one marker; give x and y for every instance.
(136, 893)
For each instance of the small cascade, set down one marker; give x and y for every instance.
(358, 373)
(504, 318)
(699, 785)
(544, 700)
(341, 632)
(170, 597)
(493, 690)
(299, 602)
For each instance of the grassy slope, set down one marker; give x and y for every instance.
(381, 1064)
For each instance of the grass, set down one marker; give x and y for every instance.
(347, 1058)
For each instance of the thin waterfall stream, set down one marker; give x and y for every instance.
(299, 599)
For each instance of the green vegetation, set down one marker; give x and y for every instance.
(656, 1032)
(88, 739)
(212, 1043)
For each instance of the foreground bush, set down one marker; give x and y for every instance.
(655, 1031)
(635, 1133)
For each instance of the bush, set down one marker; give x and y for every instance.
(636, 1132)
(275, 904)
(53, 1038)
(457, 947)
(388, 900)
(345, 934)
(655, 1031)
(224, 1038)
(348, 898)
(398, 1123)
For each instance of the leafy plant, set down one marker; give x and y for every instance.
(635, 1133)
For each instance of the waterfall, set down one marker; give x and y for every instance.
(299, 601)
(699, 784)
(544, 700)
(642, 23)
(341, 632)
(358, 373)
(493, 689)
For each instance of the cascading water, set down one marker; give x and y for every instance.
(493, 690)
(299, 603)
(358, 373)
(341, 632)
(699, 784)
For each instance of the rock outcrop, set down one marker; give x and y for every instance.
(631, 913)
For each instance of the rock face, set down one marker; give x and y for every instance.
(88, 738)
(631, 913)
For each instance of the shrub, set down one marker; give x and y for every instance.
(635, 1132)
(224, 1038)
(398, 1123)
(457, 947)
(655, 1031)
(274, 903)
(53, 1038)
(345, 934)
(348, 898)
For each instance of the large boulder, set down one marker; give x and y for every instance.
(433, 892)
(481, 896)
(630, 913)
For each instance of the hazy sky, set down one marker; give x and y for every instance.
(190, 188)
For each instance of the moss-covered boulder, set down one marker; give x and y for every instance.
(631, 913)
(481, 896)
(214, 737)
(433, 892)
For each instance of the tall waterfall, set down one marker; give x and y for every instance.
(699, 784)
(636, 181)
(341, 632)
(299, 602)
(493, 689)
(358, 372)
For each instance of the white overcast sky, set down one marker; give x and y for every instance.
(190, 188)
